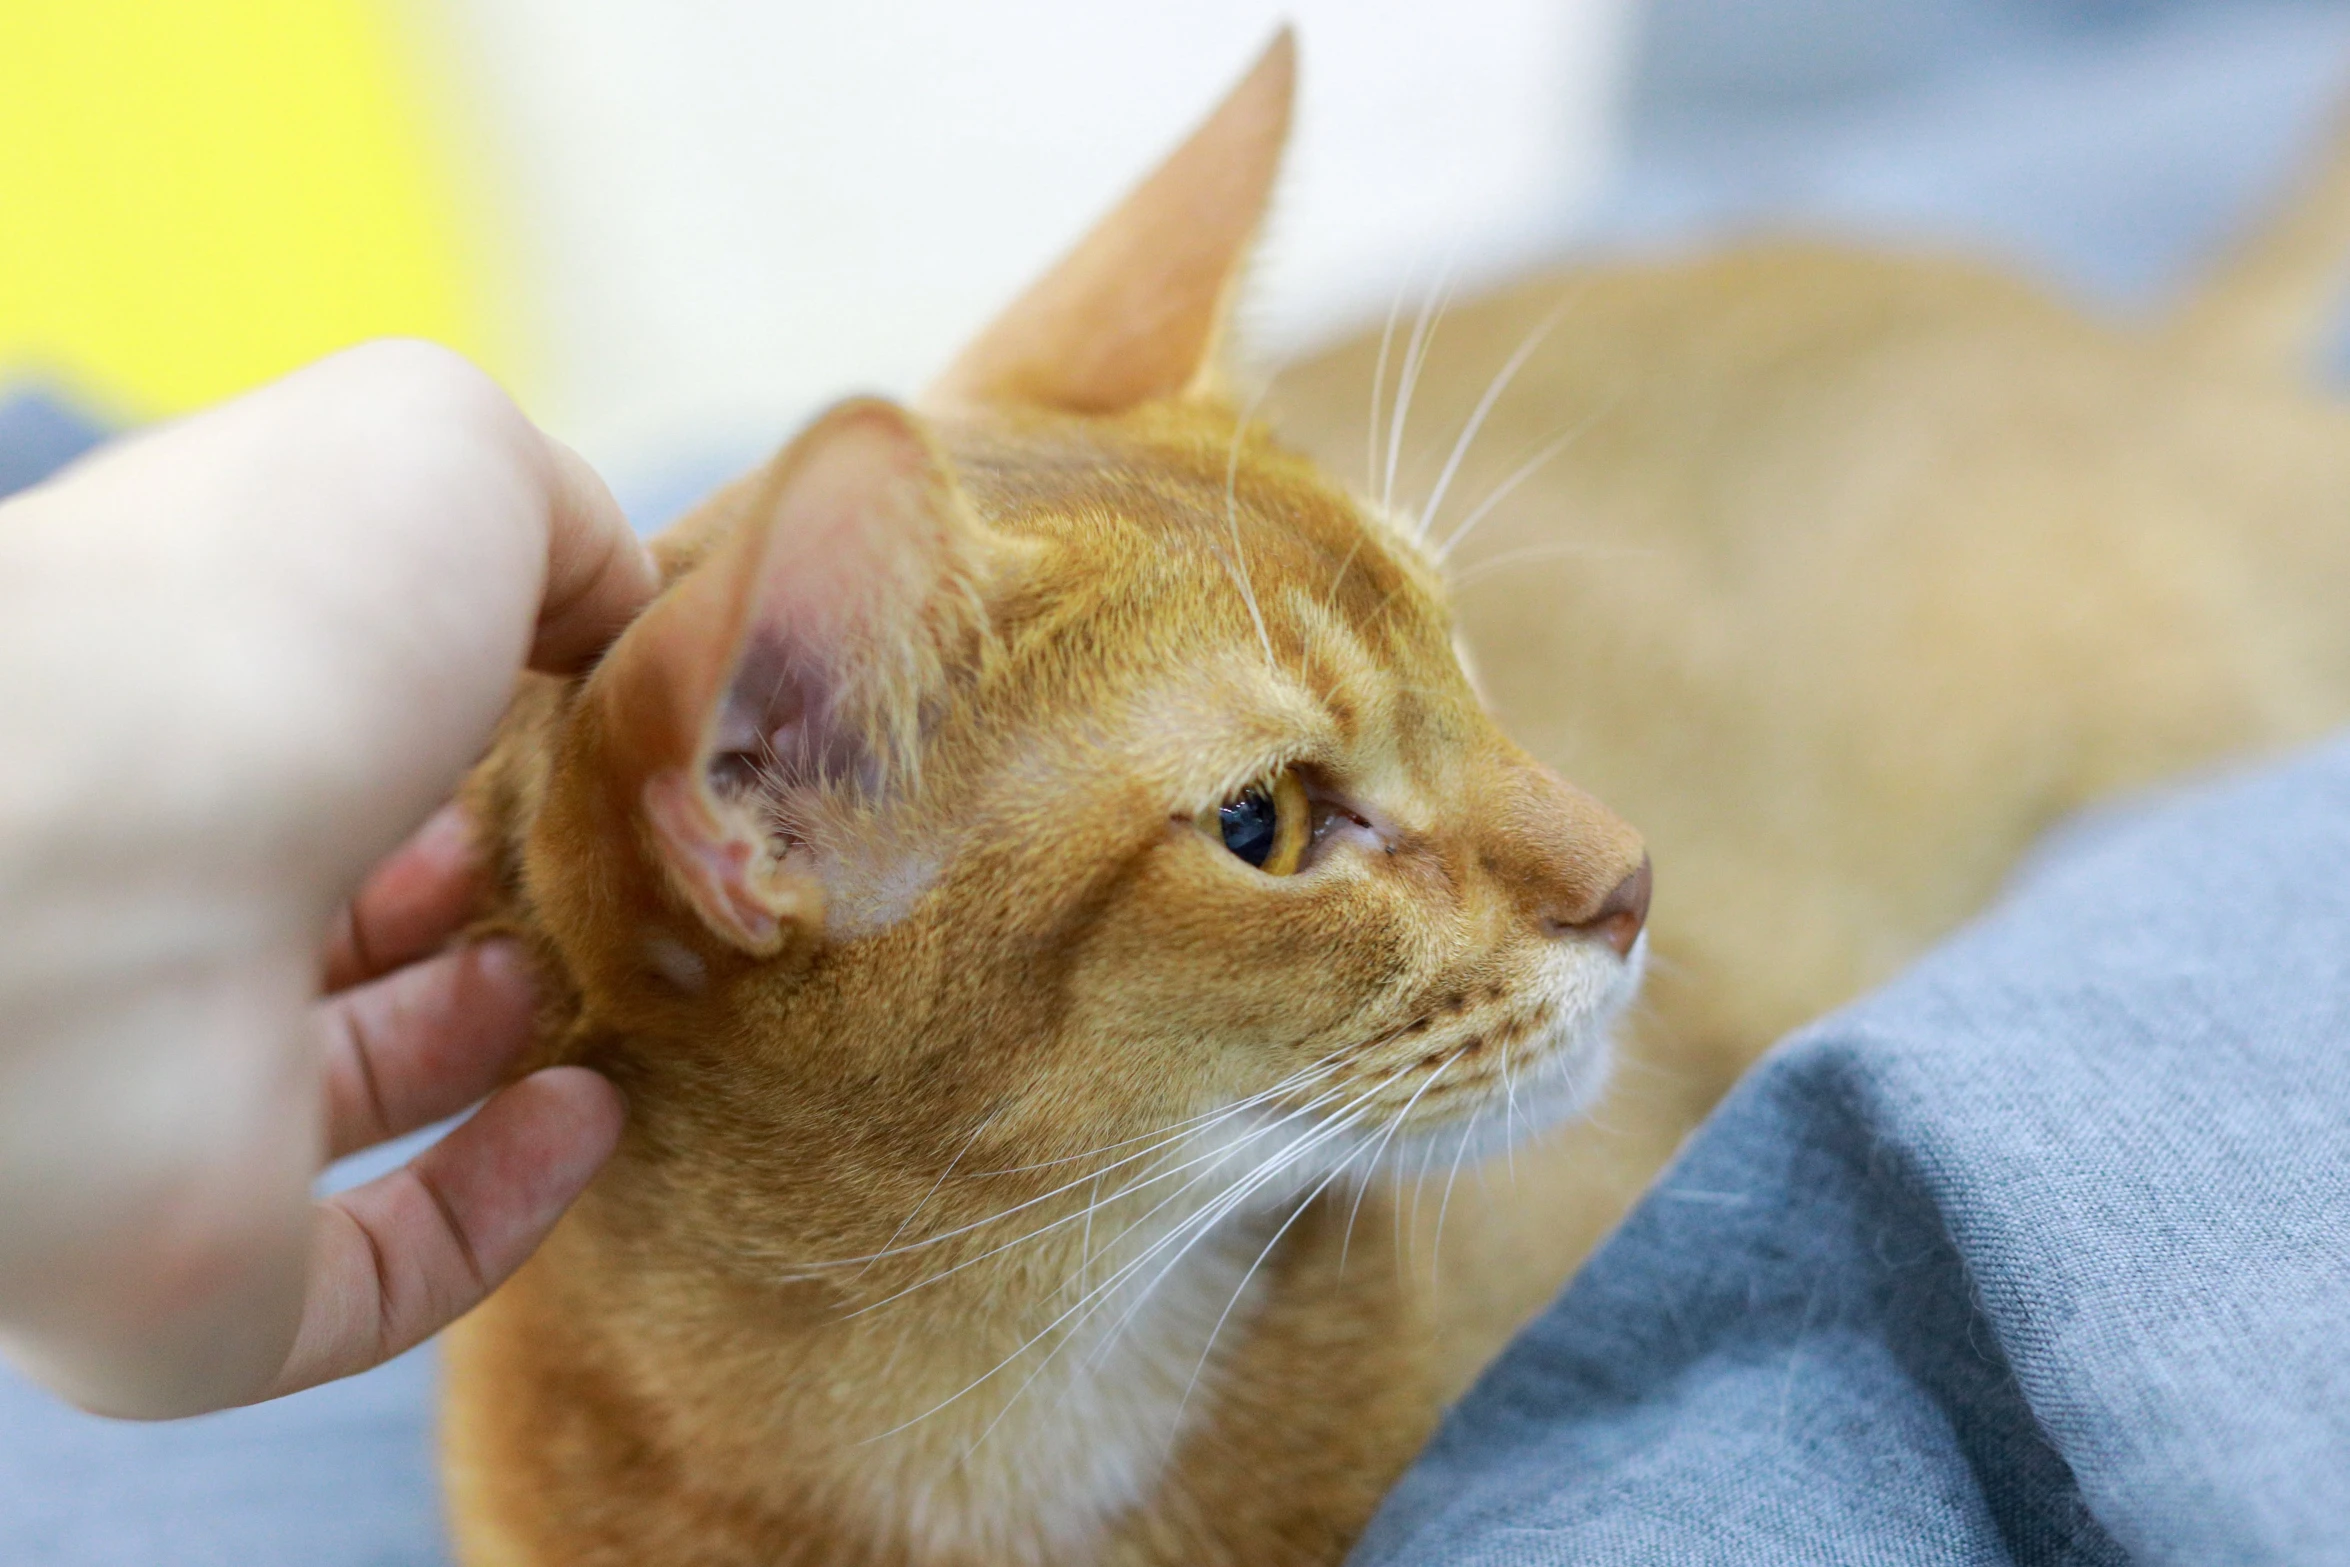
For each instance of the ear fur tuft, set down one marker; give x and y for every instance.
(792, 667)
(1136, 312)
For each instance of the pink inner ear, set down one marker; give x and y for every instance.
(856, 545)
(790, 658)
(773, 727)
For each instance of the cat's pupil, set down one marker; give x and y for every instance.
(1249, 824)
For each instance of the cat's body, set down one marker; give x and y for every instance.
(879, 864)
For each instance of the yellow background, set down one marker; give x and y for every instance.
(196, 195)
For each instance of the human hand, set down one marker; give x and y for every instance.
(242, 657)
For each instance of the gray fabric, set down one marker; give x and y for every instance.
(2040, 1255)
(338, 1477)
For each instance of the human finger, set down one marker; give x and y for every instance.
(397, 1260)
(599, 573)
(422, 1043)
(413, 900)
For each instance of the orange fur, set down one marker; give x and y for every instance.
(980, 1099)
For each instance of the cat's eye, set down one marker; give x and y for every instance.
(1267, 824)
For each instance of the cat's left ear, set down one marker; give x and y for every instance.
(1135, 313)
(791, 668)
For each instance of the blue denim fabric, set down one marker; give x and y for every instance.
(2039, 1255)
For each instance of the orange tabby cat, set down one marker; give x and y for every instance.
(1030, 850)
(1041, 857)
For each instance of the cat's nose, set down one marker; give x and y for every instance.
(1577, 868)
(1617, 921)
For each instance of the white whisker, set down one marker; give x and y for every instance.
(1215, 1154)
(934, 1186)
(1248, 591)
(1209, 1158)
(1509, 1116)
(1476, 421)
(1027, 1344)
(1267, 1251)
(1436, 1249)
(1210, 1118)
(1502, 491)
(1427, 1153)
(1200, 1223)
(1257, 1179)
(1393, 1127)
(1414, 356)
(1379, 388)
(1319, 1067)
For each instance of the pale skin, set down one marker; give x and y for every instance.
(244, 660)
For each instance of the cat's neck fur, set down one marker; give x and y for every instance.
(945, 1405)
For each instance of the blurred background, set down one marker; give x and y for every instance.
(675, 227)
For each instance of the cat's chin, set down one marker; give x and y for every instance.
(1468, 1116)
(1442, 1117)
(1488, 1119)
(1500, 1121)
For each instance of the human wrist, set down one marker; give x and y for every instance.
(157, 1142)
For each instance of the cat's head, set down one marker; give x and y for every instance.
(1057, 766)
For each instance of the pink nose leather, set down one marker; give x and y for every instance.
(1620, 916)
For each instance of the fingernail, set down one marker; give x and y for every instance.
(504, 961)
(448, 835)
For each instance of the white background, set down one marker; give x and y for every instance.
(740, 209)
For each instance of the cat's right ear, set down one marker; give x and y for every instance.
(792, 663)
